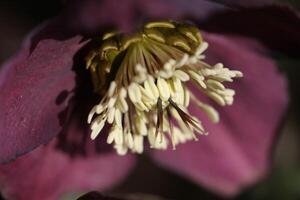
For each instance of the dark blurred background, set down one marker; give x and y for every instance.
(18, 17)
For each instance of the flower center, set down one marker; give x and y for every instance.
(142, 79)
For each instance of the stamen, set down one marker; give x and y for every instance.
(143, 78)
(209, 110)
(159, 123)
(163, 89)
(112, 88)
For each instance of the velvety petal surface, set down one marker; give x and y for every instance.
(30, 84)
(203, 9)
(237, 152)
(88, 15)
(244, 3)
(47, 173)
(276, 26)
(36, 82)
(274, 23)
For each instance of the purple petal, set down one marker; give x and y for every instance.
(237, 151)
(266, 20)
(88, 15)
(47, 174)
(244, 3)
(277, 26)
(30, 84)
(202, 9)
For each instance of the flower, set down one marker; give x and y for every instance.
(153, 68)
(41, 96)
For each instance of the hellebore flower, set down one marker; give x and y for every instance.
(46, 92)
(149, 89)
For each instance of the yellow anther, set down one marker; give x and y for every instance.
(108, 45)
(128, 40)
(164, 24)
(109, 35)
(155, 35)
(179, 41)
(90, 57)
(191, 32)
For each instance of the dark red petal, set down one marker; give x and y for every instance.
(244, 3)
(202, 9)
(277, 26)
(48, 174)
(88, 15)
(30, 84)
(237, 151)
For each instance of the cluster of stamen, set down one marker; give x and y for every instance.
(142, 79)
